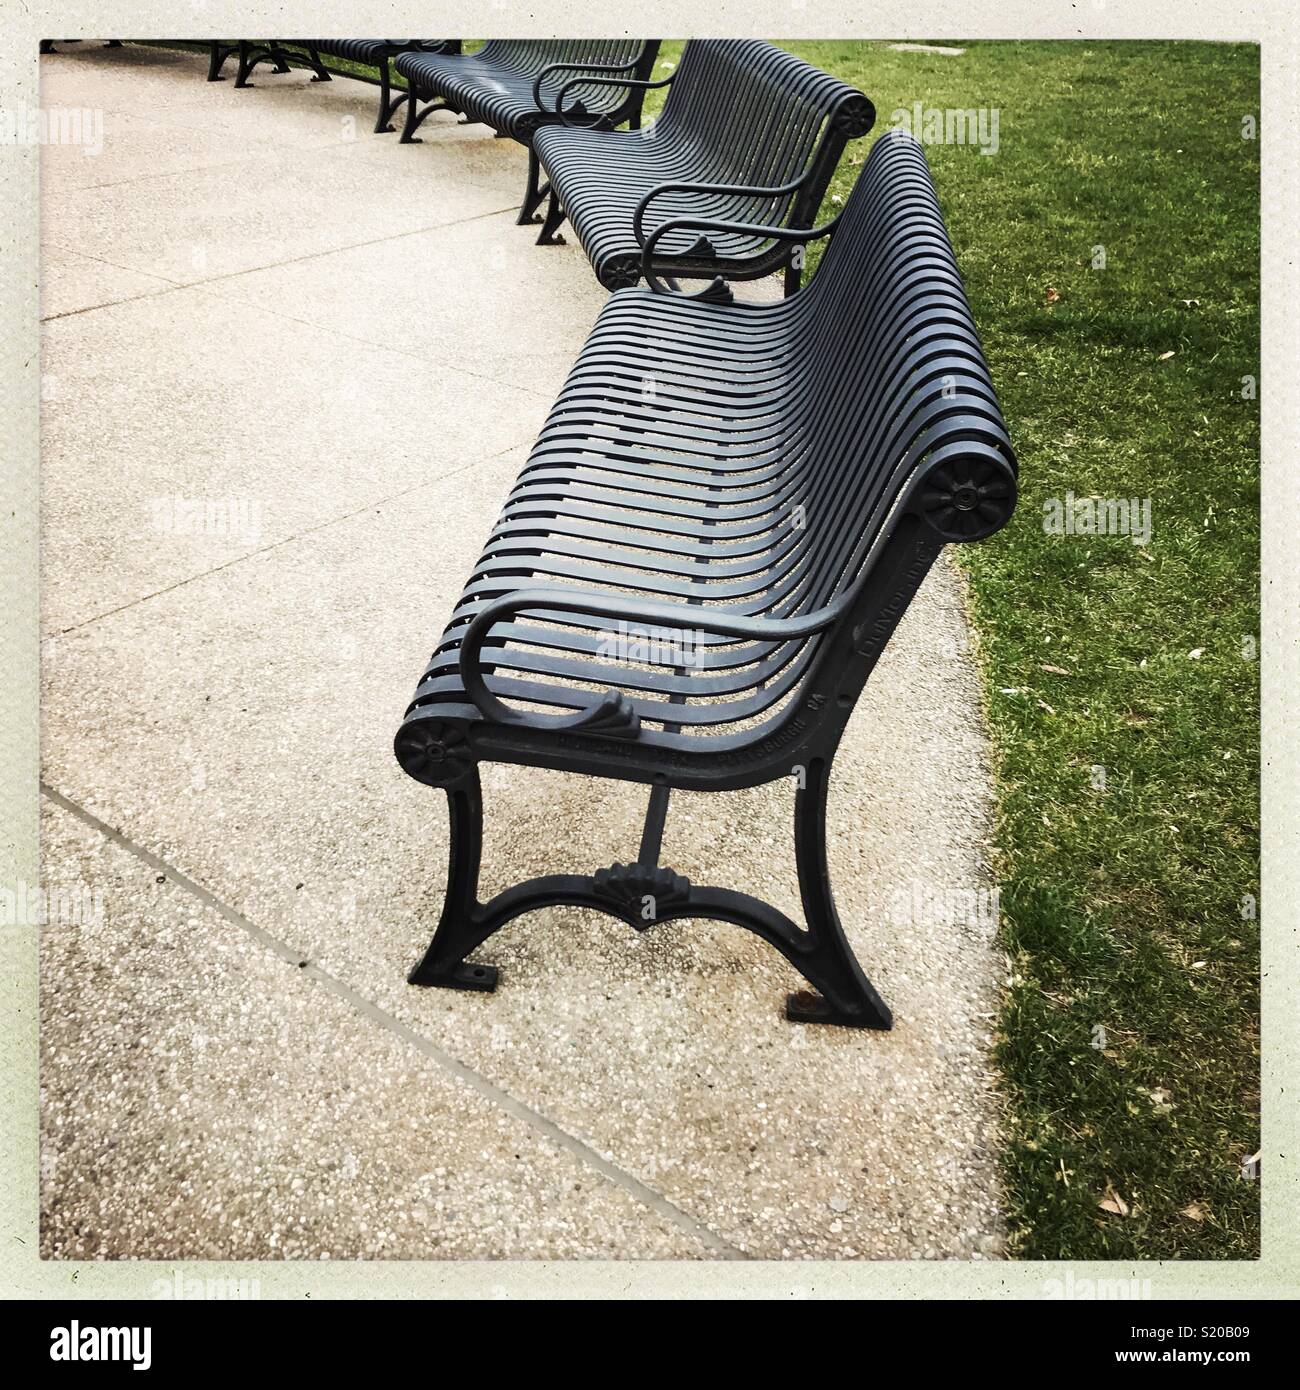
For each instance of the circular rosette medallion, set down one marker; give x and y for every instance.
(435, 751)
(967, 499)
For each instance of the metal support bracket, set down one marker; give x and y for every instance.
(645, 895)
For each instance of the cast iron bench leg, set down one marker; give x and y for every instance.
(319, 72)
(250, 55)
(458, 931)
(535, 193)
(847, 996)
(646, 894)
(388, 105)
(246, 63)
(549, 235)
(415, 117)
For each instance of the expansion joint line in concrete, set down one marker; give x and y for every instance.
(369, 1010)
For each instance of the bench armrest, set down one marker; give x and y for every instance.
(447, 46)
(708, 224)
(628, 83)
(612, 713)
(753, 190)
(597, 75)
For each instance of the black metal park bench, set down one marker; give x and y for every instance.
(380, 54)
(364, 53)
(508, 84)
(748, 133)
(718, 529)
(252, 53)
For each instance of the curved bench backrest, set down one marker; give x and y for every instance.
(755, 114)
(528, 57)
(886, 366)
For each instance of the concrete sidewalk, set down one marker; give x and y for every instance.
(290, 371)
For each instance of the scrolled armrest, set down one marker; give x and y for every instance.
(709, 224)
(753, 190)
(597, 68)
(612, 713)
(567, 117)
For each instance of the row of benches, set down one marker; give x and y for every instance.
(748, 134)
(731, 504)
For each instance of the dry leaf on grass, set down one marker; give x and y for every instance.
(1113, 1203)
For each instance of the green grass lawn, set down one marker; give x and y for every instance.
(1129, 1037)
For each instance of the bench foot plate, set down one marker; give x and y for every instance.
(466, 975)
(806, 1007)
